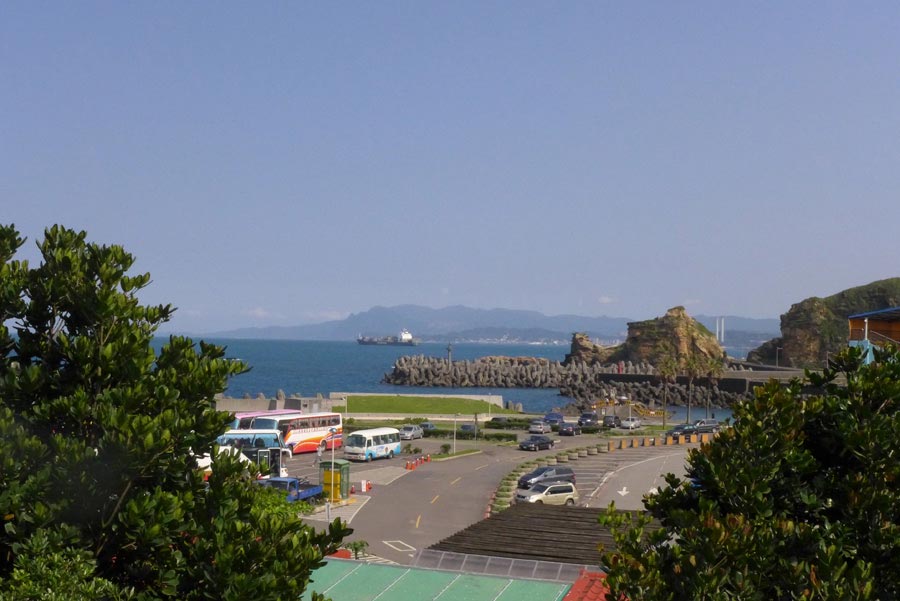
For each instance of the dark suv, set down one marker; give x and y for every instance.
(589, 418)
(612, 421)
(548, 473)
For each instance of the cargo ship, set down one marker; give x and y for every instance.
(404, 339)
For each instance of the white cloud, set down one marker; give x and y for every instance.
(261, 313)
(606, 300)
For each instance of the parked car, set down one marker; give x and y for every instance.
(682, 430)
(550, 493)
(539, 426)
(569, 429)
(707, 426)
(547, 474)
(589, 418)
(498, 422)
(411, 432)
(611, 421)
(536, 443)
(553, 418)
(426, 426)
(631, 423)
(469, 428)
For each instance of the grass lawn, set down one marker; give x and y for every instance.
(412, 405)
(457, 454)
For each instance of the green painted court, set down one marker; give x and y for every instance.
(343, 580)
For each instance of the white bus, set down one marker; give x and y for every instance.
(304, 432)
(366, 445)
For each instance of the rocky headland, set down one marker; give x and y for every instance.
(817, 327)
(592, 373)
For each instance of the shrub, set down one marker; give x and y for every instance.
(357, 546)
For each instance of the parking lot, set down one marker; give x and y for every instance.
(408, 510)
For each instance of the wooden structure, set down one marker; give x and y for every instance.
(536, 532)
(874, 328)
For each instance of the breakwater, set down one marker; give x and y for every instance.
(586, 384)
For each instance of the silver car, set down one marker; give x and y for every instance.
(631, 423)
(550, 493)
(539, 426)
(411, 432)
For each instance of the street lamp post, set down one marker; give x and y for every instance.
(454, 433)
(777, 351)
(332, 431)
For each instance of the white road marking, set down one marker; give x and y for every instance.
(399, 545)
(614, 472)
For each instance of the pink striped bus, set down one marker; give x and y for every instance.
(304, 432)
(243, 419)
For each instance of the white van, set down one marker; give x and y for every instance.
(265, 448)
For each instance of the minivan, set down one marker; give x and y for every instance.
(611, 421)
(550, 493)
(588, 418)
(706, 426)
(554, 418)
(546, 473)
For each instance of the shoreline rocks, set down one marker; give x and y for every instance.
(584, 383)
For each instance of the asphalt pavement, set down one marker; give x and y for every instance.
(407, 510)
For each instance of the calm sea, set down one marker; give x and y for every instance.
(305, 368)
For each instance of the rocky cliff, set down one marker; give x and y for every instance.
(815, 327)
(649, 341)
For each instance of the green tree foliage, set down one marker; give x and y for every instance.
(99, 436)
(799, 500)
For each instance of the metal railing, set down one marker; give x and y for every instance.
(875, 337)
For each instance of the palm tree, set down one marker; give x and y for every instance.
(693, 367)
(714, 369)
(668, 371)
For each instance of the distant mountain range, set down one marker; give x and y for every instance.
(458, 323)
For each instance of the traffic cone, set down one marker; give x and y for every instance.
(428, 458)
(352, 489)
(368, 485)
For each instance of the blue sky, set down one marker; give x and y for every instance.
(290, 163)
